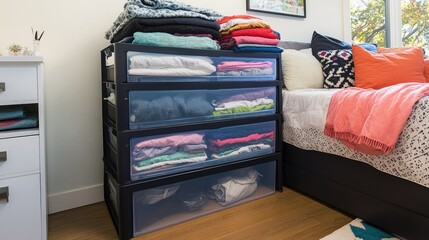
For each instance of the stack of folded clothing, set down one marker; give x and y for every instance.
(169, 107)
(245, 33)
(169, 151)
(244, 102)
(16, 117)
(245, 68)
(227, 143)
(164, 16)
(167, 65)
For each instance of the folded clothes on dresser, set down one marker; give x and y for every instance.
(172, 25)
(245, 33)
(169, 151)
(158, 9)
(165, 65)
(161, 39)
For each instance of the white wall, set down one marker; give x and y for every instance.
(73, 38)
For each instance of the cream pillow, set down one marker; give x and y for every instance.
(301, 70)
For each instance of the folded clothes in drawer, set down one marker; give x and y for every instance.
(160, 108)
(172, 153)
(17, 117)
(148, 67)
(163, 206)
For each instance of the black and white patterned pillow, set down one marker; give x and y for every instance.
(338, 68)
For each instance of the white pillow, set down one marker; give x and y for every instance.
(301, 70)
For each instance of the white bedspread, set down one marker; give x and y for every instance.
(305, 112)
(306, 108)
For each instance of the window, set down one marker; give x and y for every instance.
(390, 23)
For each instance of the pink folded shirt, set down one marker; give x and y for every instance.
(175, 140)
(237, 65)
(255, 40)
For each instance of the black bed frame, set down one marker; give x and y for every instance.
(393, 204)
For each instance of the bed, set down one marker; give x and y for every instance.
(390, 192)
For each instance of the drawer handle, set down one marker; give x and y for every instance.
(4, 195)
(2, 86)
(3, 156)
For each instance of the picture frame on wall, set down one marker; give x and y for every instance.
(294, 8)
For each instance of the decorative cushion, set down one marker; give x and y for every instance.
(320, 42)
(378, 70)
(338, 68)
(301, 70)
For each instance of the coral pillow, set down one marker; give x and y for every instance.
(378, 70)
(427, 70)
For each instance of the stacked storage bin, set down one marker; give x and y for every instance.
(185, 140)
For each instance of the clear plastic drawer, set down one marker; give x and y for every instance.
(161, 108)
(163, 206)
(153, 67)
(167, 154)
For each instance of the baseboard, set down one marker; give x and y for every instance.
(75, 198)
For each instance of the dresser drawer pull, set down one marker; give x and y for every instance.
(3, 156)
(4, 195)
(2, 86)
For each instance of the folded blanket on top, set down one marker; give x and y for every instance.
(244, 109)
(371, 120)
(167, 40)
(236, 132)
(30, 121)
(185, 25)
(158, 9)
(229, 42)
(214, 143)
(11, 112)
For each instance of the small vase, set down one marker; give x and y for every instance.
(36, 48)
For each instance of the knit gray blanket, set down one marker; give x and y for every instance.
(158, 9)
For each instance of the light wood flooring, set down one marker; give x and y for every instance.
(286, 215)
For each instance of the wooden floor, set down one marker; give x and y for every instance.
(286, 215)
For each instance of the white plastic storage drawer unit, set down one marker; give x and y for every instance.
(153, 208)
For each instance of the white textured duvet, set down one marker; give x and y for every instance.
(304, 113)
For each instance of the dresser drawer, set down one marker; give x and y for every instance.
(18, 155)
(20, 83)
(20, 214)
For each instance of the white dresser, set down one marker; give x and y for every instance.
(22, 153)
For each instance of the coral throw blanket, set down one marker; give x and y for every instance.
(369, 120)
